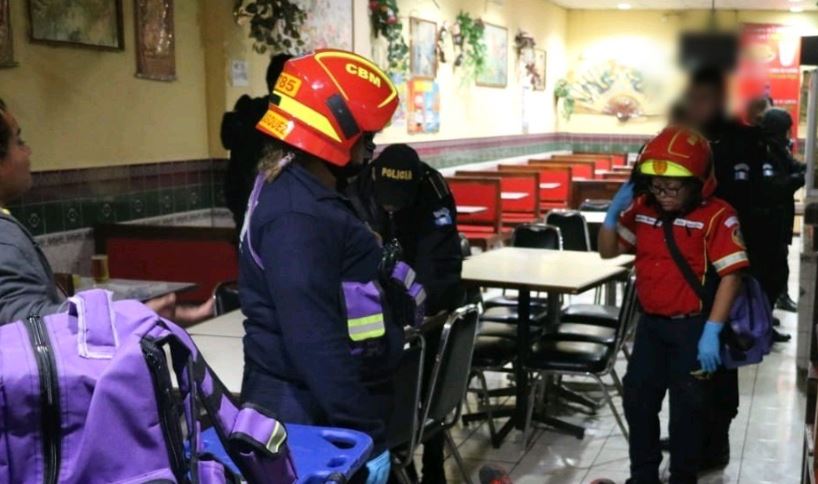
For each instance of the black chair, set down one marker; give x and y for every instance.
(574, 229)
(594, 205)
(529, 236)
(226, 297)
(448, 381)
(557, 357)
(403, 426)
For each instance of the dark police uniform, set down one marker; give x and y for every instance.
(426, 231)
(298, 362)
(666, 344)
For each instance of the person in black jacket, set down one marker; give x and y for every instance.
(245, 142)
(404, 199)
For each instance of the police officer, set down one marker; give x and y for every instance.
(406, 200)
(308, 358)
(784, 176)
(245, 142)
(738, 153)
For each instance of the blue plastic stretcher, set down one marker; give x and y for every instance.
(320, 454)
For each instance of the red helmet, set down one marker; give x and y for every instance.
(323, 102)
(679, 152)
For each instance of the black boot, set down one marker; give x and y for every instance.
(715, 460)
(781, 337)
(786, 303)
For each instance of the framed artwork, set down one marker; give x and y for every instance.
(328, 24)
(538, 74)
(423, 37)
(85, 23)
(495, 70)
(155, 40)
(423, 106)
(6, 44)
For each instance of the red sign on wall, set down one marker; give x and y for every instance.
(769, 66)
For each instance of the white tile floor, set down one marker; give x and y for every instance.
(766, 437)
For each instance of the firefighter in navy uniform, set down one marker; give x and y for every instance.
(310, 358)
(408, 201)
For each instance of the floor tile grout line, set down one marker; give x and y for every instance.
(747, 428)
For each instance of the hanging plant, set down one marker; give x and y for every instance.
(562, 90)
(467, 36)
(275, 25)
(442, 33)
(384, 17)
(523, 43)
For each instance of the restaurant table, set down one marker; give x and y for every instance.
(134, 289)
(229, 324)
(470, 209)
(225, 355)
(549, 185)
(513, 195)
(554, 272)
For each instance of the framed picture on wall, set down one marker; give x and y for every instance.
(328, 24)
(85, 23)
(6, 43)
(423, 38)
(155, 40)
(495, 70)
(538, 70)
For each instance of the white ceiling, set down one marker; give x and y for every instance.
(689, 4)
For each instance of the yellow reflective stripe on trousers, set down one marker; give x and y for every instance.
(367, 327)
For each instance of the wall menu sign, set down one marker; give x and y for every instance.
(770, 66)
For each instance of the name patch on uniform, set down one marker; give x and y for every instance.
(681, 222)
(393, 174)
(275, 124)
(442, 217)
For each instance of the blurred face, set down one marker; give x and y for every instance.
(15, 168)
(671, 193)
(363, 150)
(703, 104)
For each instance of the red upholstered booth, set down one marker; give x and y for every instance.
(481, 227)
(202, 255)
(555, 183)
(520, 194)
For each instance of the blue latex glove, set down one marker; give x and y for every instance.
(620, 202)
(379, 468)
(709, 347)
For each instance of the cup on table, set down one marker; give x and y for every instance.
(99, 268)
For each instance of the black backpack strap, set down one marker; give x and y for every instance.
(681, 263)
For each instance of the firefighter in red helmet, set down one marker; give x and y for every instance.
(676, 349)
(307, 360)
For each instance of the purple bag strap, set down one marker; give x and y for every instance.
(96, 331)
(255, 441)
(252, 203)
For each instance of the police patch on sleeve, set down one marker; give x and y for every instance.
(442, 217)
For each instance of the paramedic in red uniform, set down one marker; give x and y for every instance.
(677, 340)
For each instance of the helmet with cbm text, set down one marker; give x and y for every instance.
(679, 152)
(325, 101)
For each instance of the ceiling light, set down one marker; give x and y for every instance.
(624, 6)
(796, 9)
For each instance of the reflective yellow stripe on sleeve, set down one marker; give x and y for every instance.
(367, 327)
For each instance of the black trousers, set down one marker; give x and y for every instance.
(663, 357)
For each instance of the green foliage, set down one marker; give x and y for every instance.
(384, 17)
(468, 38)
(562, 90)
(275, 25)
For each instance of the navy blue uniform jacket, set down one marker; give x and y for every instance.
(309, 240)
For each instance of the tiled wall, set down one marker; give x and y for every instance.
(68, 200)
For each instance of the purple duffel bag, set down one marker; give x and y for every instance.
(86, 396)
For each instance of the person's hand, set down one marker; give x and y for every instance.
(378, 469)
(189, 315)
(709, 345)
(620, 202)
(164, 306)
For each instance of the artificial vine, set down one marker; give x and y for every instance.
(275, 25)
(384, 16)
(467, 36)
